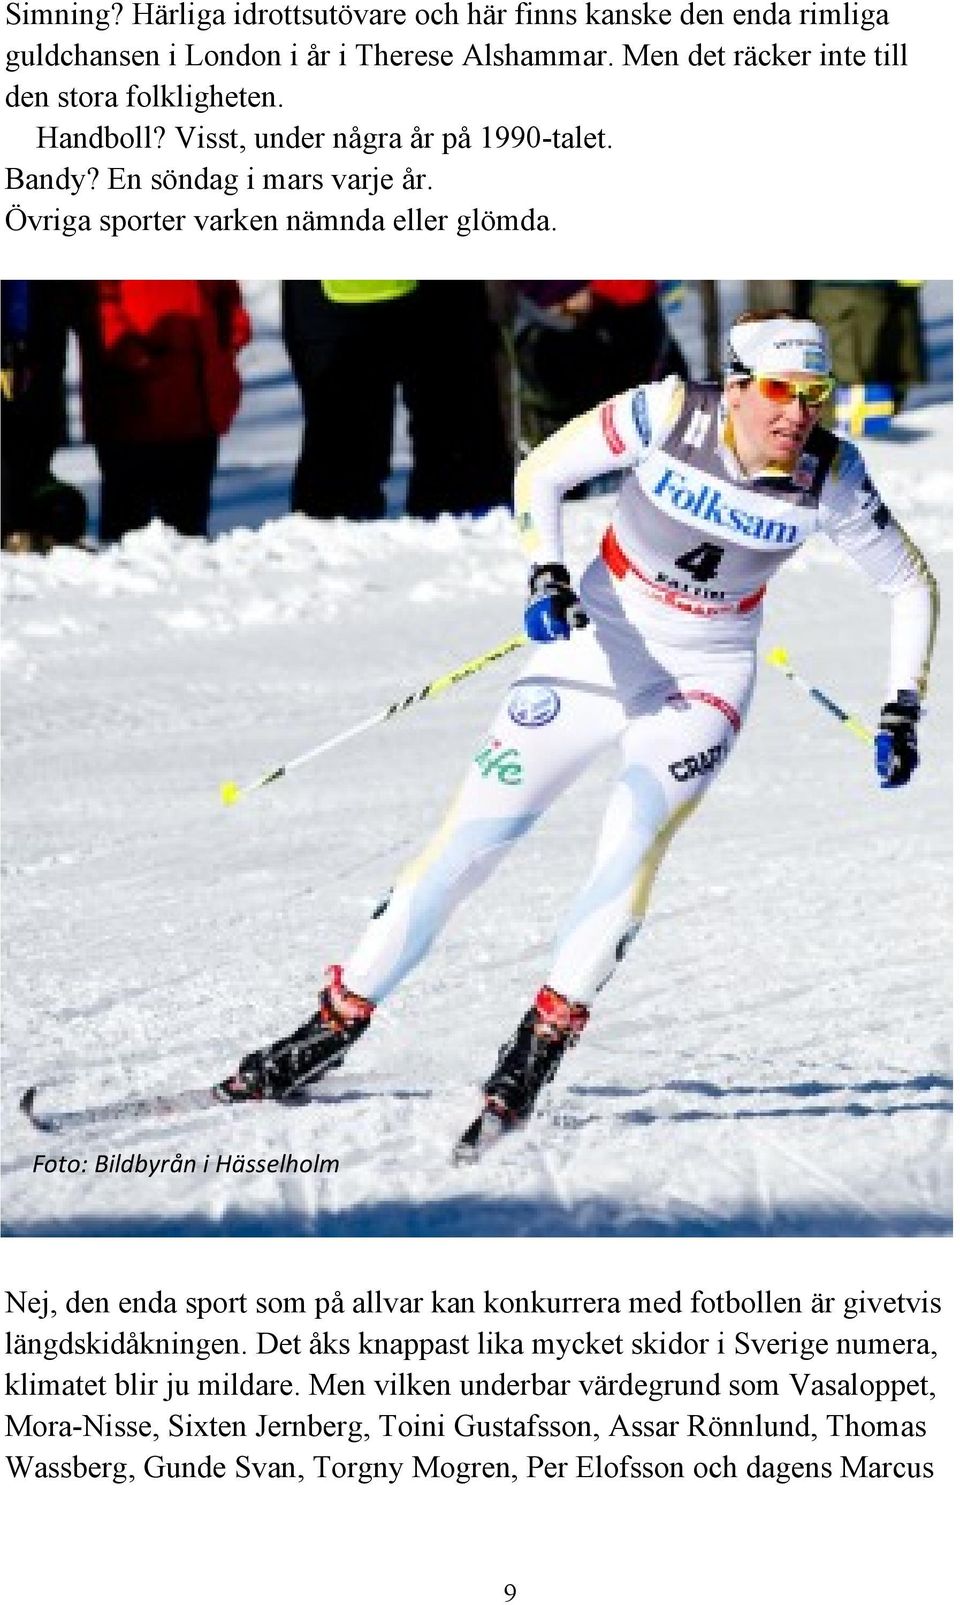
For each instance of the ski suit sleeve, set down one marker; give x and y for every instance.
(615, 435)
(861, 525)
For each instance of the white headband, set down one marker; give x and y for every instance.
(778, 345)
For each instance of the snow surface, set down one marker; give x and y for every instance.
(772, 1058)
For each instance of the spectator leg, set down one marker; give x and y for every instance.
(185, 481)
(461, 461)
(348, 388)
(127, 488)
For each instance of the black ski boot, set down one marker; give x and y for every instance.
(525, 1064)
(532, 1056)
(308, 1053)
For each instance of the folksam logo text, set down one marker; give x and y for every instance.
(705, 503)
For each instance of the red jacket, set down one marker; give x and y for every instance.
(159, 358)
(625, 292)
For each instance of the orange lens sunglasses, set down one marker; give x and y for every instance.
(812, 392)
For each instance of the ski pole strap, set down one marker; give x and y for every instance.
(231, 792)
(778, 658)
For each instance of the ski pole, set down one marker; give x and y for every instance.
(231, 793)
(778, 659)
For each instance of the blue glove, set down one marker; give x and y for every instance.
(895, 744)
(553, 604)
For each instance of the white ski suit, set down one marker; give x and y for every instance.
(665, 669)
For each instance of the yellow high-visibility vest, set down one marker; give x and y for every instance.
(361, 291)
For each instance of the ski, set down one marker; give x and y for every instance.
(481, 1135)
(143, 1106)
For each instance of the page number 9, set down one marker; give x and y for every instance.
(510, 1592)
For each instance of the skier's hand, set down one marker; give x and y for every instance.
(553, 604)
(895, 744)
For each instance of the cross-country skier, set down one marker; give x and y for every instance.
(724, 483)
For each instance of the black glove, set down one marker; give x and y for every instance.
(895, 744)
(553, 604)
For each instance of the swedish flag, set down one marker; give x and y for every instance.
(864, 409)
